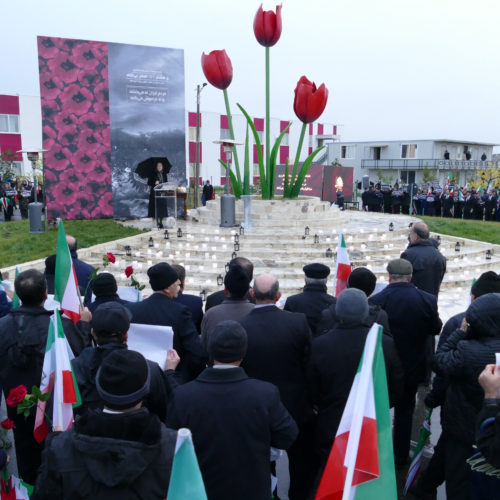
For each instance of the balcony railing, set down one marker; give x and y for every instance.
(421, 163)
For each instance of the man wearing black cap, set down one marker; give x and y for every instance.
(234, 419)
(105, 290)
(314, 299)
(279, 344)
(122, 451)
(334, 361)
(234, 307)
(362, 279)
(414, 321)
(428, 264)
(110, 325)
(158, 309)
(192, 302)
(434, 474)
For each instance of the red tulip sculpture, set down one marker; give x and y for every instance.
(309, 103)
(218, 71)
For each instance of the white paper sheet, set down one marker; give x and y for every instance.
(129, 293)
(151, 341)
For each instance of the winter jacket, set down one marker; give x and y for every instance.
(462, 358)
(428, 264)
(104, 456)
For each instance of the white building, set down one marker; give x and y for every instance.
(408, 161)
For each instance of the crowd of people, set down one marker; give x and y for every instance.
(460, 203)
(17, 194)
(252, 380)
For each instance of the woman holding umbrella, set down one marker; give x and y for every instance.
(158, 176)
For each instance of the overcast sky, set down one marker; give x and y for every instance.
(395, 69)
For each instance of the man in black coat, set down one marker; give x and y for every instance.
(334, 361)
(314, 299)
(414, 320)
(447, 202)
(428, 264)
(82, 269)
(192, 302)
(105, 290)
(110, 325)
(122, 452)
(234, 419)
(207, 193)
(159, 309)
(469, 205)
(461, 359)
(362, 279)
(22, 349)
(279, 344)
(490, 206)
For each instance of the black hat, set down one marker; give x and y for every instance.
(104, 285)
(488, 282)
(227, 342)
(161, 276)
(362, 279)
(237, 282)
(111, 318)
(316, 271)
(402, 267)
(351, 307)
(122, 380)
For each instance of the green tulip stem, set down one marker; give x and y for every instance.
(268, 119)
(297, 156)
(231, 132)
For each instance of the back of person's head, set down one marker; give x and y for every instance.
(245, 264)
(483, 316)
(181, 272)
(110, 323)
(362, 279)
(316, 273)
(72, 243)
(421, 230)
(123, 379)
(488, 282)
(104, 285)
(400, 269)
(266, 288)
(50, 265)
(31, 287)
(237, 282)
(351, 308)
(161, 276)
(227, 343)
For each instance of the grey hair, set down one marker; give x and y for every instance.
(269, 294)
(316, 281)
(398, 277)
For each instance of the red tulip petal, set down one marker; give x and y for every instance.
(217, 68)
(258, 25)
(278, 25)
(267, 26)
(301, 103)
(225, 68)
(317, 103)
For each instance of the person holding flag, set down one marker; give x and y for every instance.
(342, 266)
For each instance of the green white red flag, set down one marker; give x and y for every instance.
(5, 202)
(15, 299)
(14, 488)
(361, 461)
(59, 379)
(342, 267)
(186, 481)
(65, 283)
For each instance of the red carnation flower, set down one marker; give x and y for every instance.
(7, 424)
(16, 395)
(129, 271)
(111, 257)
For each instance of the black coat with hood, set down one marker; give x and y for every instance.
(462, 358)
(124, 456)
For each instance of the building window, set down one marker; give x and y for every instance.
(284, 141)
(225, 134)
(347, 152)
(9, 124)
(408, 150)
(192, 134)
(256, 171)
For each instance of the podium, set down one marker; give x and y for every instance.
(165, 202)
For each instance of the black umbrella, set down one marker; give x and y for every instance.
(147, 167)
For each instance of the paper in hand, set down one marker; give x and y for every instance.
(152, 341)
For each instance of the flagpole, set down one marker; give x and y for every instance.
(359, 405)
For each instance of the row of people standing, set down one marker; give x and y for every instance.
(15, 194)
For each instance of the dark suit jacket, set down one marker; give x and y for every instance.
(195, 305)
(83, 272)
(234, 420)
(279, 344)
(312, 301)
(414, 320)
(158, 309)
(102, 300)
(334, 361)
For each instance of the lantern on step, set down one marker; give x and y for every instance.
(166, 235)
(236, 247)
(316, 239)
(242, 230)
(306, 231)
(150, 243)
(236, 238)
(488, 254)
(328, 253)
(179, 233)
(220, 280)
(410, 225)
(234, 255)
(226, 267)
(391, 227)
(203, 295)
(128, 251)
(457, 246)
(438, 239)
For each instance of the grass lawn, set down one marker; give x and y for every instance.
(17, 245)
(473, 229)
